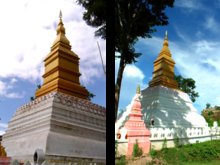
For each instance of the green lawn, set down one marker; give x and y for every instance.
(213, 162)
(191, 154)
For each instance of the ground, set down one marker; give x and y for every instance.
(140, 161)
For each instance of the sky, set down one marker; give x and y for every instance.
(28, 29)
(194, 42)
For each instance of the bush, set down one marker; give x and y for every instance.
(164, 145)
(153, 153)
(116, 148)
(121, 161)
(176, 141)
(137, 151)
(197, 152)
(210, 113)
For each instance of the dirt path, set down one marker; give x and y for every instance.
(140, 161)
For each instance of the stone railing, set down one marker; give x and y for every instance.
(170, 133)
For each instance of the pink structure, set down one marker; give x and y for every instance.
(136, 129)
(4, 160)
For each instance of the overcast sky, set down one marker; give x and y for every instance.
(28, 29)
(194, 42)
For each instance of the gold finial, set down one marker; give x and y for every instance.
(165, 42)
(138, 90)
(60, 27)
(60, 15)
(166, 35)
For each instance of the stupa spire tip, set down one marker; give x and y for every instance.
(138, 90)
(60, 15)
(166, 34)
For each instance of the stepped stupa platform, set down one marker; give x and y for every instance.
(61, 126)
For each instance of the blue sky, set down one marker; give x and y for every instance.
(27, 34)
(194, 42)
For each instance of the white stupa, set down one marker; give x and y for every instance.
(162, 102)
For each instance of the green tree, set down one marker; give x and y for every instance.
(95, 15)
(91, 95)
(188, 86)
(133, 19)
(208, 106)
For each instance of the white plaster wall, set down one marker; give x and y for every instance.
(169, 108)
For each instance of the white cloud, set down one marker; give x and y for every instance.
(7, 87)
(29, 31)
(189, 5)
(132, 77)
(211, 24)
(2, 132)
(131, 71)
(3, 125)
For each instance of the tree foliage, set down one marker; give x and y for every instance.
(133, 19)
(95, 15)
(208, 105)
(188, 86)
(137, 18)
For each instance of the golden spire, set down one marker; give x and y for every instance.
(60, 14)
(164, 67)
(165, 49)
(61, 32)
(165, 42)
(138, 90)
(62, 68)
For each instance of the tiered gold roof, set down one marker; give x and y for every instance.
(163, 73)
(62, 68)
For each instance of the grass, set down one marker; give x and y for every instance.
(191, 154)
(213, 162)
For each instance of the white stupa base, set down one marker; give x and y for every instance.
(66, 128)
(169, 108)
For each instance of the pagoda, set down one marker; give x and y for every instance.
(61, 125)
(134, 128)
(62, 68)
(167, 111)
(163, 73)
(163, 102)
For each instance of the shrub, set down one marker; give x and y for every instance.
(164, 145)
(153, 153)
(116, 148)
(210, 113)
(176, 141)
(197, 152)
(121, 161)
(137, 151)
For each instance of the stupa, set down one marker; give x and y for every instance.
(61, 125)
(162, 101)
(134, 129)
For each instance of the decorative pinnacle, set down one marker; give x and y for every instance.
(165, 42)
(60, 15)
(138, 90)
(166, 35)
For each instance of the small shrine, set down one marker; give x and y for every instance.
(135, 129)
